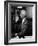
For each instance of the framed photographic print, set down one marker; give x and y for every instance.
(20, 22)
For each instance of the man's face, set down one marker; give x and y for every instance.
(23, 13)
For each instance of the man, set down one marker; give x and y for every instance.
(23, 24)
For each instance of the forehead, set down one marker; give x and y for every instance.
(23, 11)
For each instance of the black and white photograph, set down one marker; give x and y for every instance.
(20, 22)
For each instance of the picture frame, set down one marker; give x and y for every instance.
(6, 33)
